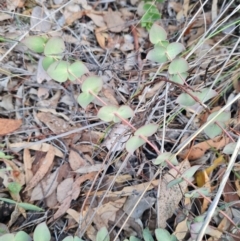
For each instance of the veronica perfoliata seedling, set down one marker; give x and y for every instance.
(161, 159)
(215, 128)
(52, 63)
(137, 140)
(112, 113)
(90, 87)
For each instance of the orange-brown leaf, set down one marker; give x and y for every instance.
(9, 125)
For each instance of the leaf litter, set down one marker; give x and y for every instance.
(83, 178)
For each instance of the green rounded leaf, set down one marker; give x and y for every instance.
(134, 143)
(174, 49)
(102, 235)
(157, 34)
(59, 71)
(162, 234)
(84, 99)
(14, 187)
(41, 233)
(195, 193)
(133, 238)
(3, 155)
(93, 83)
(185, 100)
(35, 43)
(22, 236)
(7, 237)
(125, 112)
(77, 239)
(106, 113)
(157, 55)
(68, 238)
(205, 94)
(178, 65)
(189, 173)
(179, 78)
(166, 156)
(147, 130)
(76, 70)
(30, 207)
(46, 62)
(54, 46)
(147, 236)
(229, 148)
(213, 130)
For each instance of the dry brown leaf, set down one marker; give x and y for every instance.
(55, 124)
(27, 160)
(73, 195)
(16, 174)
(114, 21)
(36, 147)
(7, 126)
(44, 168)
(108, 210)
(76, 161)
(13, 4)
(92, 168)
(5, 16)
(74, 214)
(127, 191)
(169, 198)
(37, 16)
(64, 189)
(101, 37)
(97, 19)
(199, 149)
(73, 17)
(110, 95)
(46, 187)
(51, 201)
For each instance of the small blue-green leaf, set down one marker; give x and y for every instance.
(179, 78)
(125, 112)
(147, 130)
(229, 148)
(147, 236)
(195, 194)
(213, 130)
(157, 55)
(35, 43)
(7, 200)
(41, 233)
(205, 94)
(2, 155)
(134, 143)
(84, 99)
(30, 207)
(22, 236)
(102, 235)
(76, 70)
(173, 50)
(162, 234)
(14, 187)
(185, 100)
(54, 46)
(58, 71)
(92, 83)
(166, 156)
(133, 238)
(191, 171)
(47, 61)
(179, 65)
(174, 182)
(106, 113)
(7, 237)
(157, 34)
